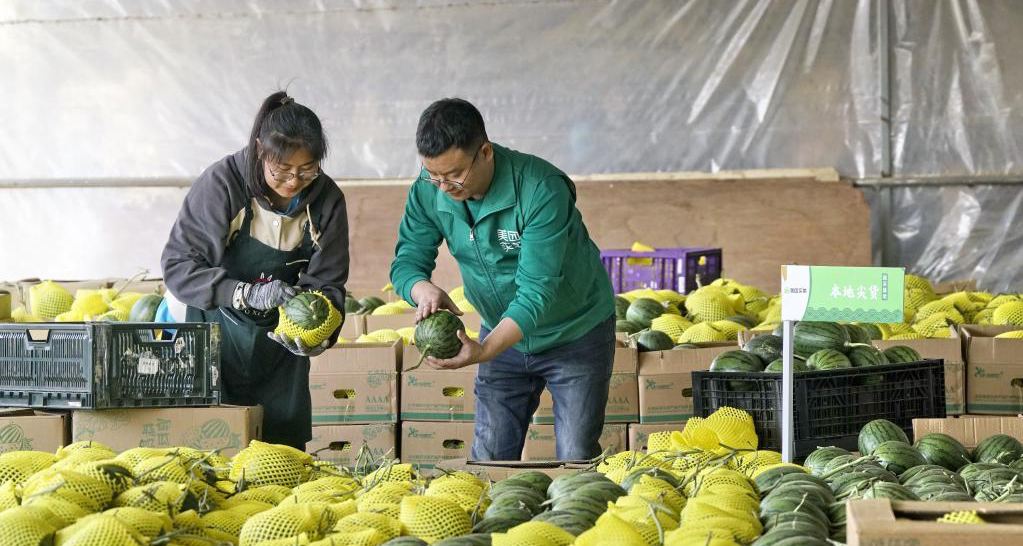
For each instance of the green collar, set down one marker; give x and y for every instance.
(500, 195)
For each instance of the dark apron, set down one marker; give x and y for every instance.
(256, 370)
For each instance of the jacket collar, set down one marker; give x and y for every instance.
(501, 194)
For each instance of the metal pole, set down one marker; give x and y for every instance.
(786, 393)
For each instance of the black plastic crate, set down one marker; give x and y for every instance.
(108, 365)
(829, 407)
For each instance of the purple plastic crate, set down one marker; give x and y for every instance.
(665, 268)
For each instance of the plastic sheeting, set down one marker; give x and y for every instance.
(952, 232)
(957, 107)
(113, 89)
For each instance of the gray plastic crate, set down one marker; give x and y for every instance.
(108, 365)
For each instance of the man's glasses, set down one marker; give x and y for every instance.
(437, 182)
(285, 176)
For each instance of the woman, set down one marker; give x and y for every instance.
(255, 228)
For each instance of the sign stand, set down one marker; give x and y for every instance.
(832, 294)
(787, 434)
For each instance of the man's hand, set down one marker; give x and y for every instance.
(470, 354)
(430, 299)
(297, 346)
(270, 295)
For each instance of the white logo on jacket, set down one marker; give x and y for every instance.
(509, 239)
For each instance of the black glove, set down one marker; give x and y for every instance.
(264, 296)
(297, 346)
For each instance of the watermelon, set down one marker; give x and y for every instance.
(873, 331)
(535, 479)
(900, 354)
(828, 359)
(738, 361)
(654, 340)
(943, 450)
(743, 320)
(144, 309)
(368, 304)
(897, 456)
(472, 539)
(1000, 448)
(644, 310)
(777, 365)
(436, 335)
(767, 347)
(351, 305)
(769, 479)
(820, 457)
(621, 307)
(627, 326)
(405, 541)
(810, 337)
(891, 491)
(876, 433)
(857, 334)
(866, 355)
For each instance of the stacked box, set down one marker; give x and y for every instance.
(436, 395)
(994, 372)
(665, 383)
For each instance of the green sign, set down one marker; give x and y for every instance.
(860, 294)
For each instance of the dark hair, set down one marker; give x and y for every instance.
(447, 123)
(282, 126)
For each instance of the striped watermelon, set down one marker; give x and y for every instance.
(778, 366)
(653, 340)
(943, 450)
(866, 355)
(1000, 448)
(897, 456)
(621, 307)
(820, 457)
(857, 334)
(767, 347)
(643, 311)
(810, 337)
(737, 361)
(876, 433)
(900, 354)
(828, 359)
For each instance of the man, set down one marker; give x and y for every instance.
(530, 269)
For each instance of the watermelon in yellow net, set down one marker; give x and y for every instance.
(709, 306)
(701, 333)
(49, 299)
(386, 525)
(1010, 313)
(1015, 334)
(23, 525)
(962, 517)
(287, 521)
(309, 316)
(433, 519)
(90, 304)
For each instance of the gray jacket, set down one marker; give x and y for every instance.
(213, 210)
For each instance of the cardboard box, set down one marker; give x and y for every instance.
(880, 522)
(358, 357)
(951, 351)
(228, 428)
(665, 383)
(622, 396)
(341, 444)
(541, 444)
(970, 430)
(359, 397)
(424, 443)
(948, 287)
(30, 430)
(406, 320)
(640, 432)
(438, 395)
(994, 370)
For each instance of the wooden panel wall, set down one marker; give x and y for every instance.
(759, 224)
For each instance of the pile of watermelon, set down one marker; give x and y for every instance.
(816, 346)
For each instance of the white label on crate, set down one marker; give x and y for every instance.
(149, 365)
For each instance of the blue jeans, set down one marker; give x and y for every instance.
(508, 391)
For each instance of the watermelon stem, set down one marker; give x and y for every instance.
(657, 521)
(422, 356)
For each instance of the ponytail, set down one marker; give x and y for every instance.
(282, 126)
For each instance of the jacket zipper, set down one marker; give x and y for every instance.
(483, 265)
